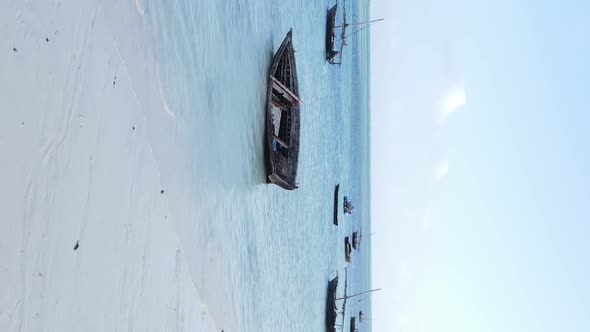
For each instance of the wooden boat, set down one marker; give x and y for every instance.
(336, 204)
(332, 312)
(331, 309)
(282, 118)
(331, 53)
(355, 240)
(353, 324)
(347, 249)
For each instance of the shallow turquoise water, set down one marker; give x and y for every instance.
(260, 256)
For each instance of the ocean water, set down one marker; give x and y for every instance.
(260, 256)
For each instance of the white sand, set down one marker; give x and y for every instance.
(73, 169)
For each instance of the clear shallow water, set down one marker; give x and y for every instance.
(260, 256)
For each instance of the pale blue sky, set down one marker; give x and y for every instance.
(482, 212)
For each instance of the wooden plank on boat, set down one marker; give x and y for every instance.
(281, 142)
(277, 85)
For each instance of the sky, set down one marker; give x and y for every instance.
(479, 165)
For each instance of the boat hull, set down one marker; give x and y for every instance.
(330, 34)
(353, 324)
(347, 249)
(279, 181)
(336, 190)
(331, 310)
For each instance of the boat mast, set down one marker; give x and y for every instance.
(343, 32)
(352, 33)
(344, 302)
(359, 23)
(369, 235)
(359, 294)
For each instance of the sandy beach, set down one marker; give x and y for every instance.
(86, 236)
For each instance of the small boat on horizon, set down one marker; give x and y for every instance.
(355, 240)
(336, 204)
(347, 206)
(331, 53)
(332, 311)
(347, 249)
(283, 118)
(353, 324)
(331, 308)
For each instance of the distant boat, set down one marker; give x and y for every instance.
(331, 53)
(347, 249)
(282, 118)
(336, 204)
(331, 308)
(355, 240)
(332, 312)
(353, 324)
(347, 206)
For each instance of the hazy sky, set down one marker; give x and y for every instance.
(480, 161)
